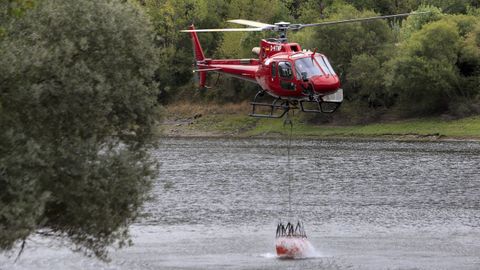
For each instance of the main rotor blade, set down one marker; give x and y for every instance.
(224, 30)
(252, 23)
(360, 19)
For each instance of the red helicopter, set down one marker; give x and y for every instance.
(292, 76)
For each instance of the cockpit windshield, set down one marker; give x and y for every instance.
(308, 66)
(324, 64)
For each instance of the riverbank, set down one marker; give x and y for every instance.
(233, 121)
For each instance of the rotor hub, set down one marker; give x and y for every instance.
(282, 28)
(282, 24)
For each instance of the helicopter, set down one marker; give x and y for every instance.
(295, 78)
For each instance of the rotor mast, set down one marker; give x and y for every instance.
(281, 28)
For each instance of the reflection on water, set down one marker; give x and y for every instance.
(365, 205)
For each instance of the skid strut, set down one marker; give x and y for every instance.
(320, 106)
(276, 109)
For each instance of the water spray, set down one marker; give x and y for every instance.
(291, 240)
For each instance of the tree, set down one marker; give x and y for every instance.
(341, 42)
(168, 18)
(313, 10)
(14, 8)
(10, 9)
(424, 76)
(77, 105)
(469, 61)
(386, 6)
(414, 23)
(469, 67)
(453, 6)
(365, 79)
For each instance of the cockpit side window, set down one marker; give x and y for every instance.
(274, 69)
(285, 70)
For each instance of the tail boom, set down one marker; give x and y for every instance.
(244, 69)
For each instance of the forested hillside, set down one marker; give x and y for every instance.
(420, 66)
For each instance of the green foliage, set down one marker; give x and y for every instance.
(77, 106)
(453, 6)
(14, 8)
(465, 23)
(474, 11)
(469, 66)
(168, 18)
(341, 42)
(261, 10)
(385, 6)
(437, 41)
(424, 75)
(11, 9)
(437, 68)
(313, 10)
(413, 24)
(364, 76)
(21, 197)
(469, 61)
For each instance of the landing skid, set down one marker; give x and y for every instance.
(279, 107)
(320, 106)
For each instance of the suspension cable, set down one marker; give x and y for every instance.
(288, 121)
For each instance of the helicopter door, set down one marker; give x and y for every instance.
(286, 75)
(274, 71)
(273, 81)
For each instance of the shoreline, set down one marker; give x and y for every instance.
(232, 121)
(400, 138)
(170, 131)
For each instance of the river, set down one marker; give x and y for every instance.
(365, 205)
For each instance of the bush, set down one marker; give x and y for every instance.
(424, 80)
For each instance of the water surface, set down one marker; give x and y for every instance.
(365, 205)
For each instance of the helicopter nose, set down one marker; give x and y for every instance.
(324, 84)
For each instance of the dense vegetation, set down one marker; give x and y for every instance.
(80, 81)
(77, 104)
(423, 65)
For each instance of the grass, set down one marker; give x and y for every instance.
(237, 122)
(463, 128)
(247, 126)
(226, 123)
(188, 109)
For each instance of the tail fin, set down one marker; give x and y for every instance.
(197, 48)
(199, 56)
